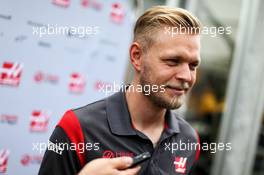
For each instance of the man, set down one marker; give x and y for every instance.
(165, 54)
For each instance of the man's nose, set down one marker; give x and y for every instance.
(184, 73)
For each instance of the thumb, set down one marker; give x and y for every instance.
(122, 162)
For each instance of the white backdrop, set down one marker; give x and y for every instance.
(43, 75)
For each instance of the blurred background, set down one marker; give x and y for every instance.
(46, 71)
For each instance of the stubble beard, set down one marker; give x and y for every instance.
(160, 99)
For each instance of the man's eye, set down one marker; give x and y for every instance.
(173, 62)
(193, 66)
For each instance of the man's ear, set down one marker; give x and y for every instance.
(136, 53)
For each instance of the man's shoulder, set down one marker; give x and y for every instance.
(93, 107)
(91, 111)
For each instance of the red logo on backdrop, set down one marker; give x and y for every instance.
(117, 13)
(4, 154)
(43, 77)
(10, 73)
(112, 154)
(39, 121)
(92, 3)
(180, 164)
(77, 83)
(10, 119)
(61, 3)
(31, 159)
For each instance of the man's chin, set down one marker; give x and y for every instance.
(172, 103)
(167, 101)
(176, 102)
(175, 106)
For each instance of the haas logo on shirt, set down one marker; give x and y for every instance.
(10, 73)
(39, 121)
(112, 154)
(4, 154)
(180, 164)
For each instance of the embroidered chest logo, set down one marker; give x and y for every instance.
(180, 164)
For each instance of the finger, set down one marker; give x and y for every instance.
(121, 162)
(130, 171)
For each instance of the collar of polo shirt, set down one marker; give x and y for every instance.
(119, 118)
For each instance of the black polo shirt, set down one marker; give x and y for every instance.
(104, 129)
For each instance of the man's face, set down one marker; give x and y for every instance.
(172, 62)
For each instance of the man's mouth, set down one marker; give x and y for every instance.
(177, 90)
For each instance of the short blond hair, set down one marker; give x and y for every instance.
(161, 16)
